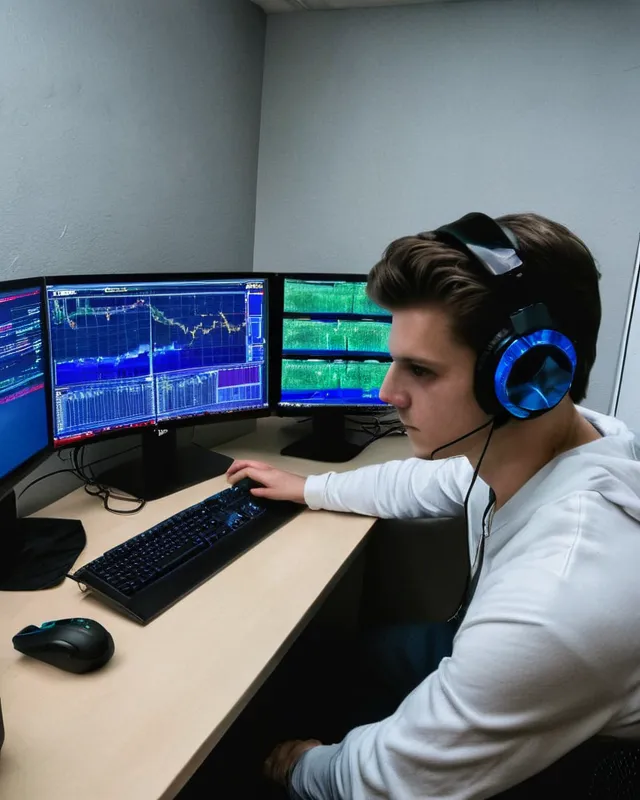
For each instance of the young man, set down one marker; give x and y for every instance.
(546, 653)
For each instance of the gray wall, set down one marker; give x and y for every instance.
(128, 142)
(381, 122)
(129, 134)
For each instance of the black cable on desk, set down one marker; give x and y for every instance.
(84, 472)
(96, 488)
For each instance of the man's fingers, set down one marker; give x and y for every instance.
(283, 757)
(238, 475)
(274, 766)
(266, 767)
(283, 762)
(270, 765)
(255, 473)
(244, 464)
(237, 466)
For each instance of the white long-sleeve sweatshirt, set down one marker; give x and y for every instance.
(548, 654)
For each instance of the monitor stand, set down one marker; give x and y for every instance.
(164, 468)
(330, 440)
(36, 553)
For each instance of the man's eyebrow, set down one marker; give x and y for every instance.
(419, 362)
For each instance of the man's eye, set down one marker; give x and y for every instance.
(419, 371)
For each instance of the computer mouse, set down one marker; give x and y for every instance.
(247, 484)
(76, 645)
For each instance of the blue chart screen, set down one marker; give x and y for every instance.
(23, 405)
(130, 355)
(335, 344)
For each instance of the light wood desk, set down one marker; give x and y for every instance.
(139, 728)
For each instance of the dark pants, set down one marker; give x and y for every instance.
(366, 678)
(325, 687)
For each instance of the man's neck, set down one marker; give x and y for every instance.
(520, 449)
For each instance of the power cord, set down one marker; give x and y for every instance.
(96, 488)
(379, 426)
(84, 472)
(92, 485)
(71, 471)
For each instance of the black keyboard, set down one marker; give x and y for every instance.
(146, 574)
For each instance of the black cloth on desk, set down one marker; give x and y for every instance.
(45, 551)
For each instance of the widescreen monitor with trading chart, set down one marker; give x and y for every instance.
(29, 548)
(132, 354)
(334, 343)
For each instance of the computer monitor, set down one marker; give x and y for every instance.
(131, 354)
(334, 347)
(28, 547)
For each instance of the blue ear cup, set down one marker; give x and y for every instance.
(528, 366)
(524, 375)
(548, 380)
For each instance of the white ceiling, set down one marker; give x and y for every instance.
(277, 6)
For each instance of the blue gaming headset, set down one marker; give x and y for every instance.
(528, 365)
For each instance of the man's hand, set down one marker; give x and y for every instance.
(284, 757)
(278, 484)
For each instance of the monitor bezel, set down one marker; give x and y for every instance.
(9, 481)
(277, 316)
(186, 422)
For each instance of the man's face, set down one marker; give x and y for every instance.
(431, 383)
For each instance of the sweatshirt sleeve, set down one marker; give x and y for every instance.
(410, 488)
(514, 698)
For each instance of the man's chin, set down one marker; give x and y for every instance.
(420, 449)
(429, 451)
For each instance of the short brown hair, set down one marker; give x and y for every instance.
(561, 273)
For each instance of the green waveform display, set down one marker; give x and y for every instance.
(328, 297)
(362, 336)
(323, 375)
